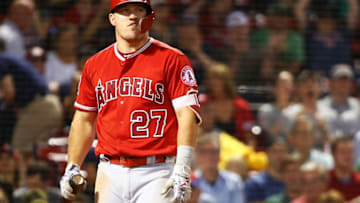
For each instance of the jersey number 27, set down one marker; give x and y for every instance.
(140, 120)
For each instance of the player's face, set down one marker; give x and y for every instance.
(127, 21)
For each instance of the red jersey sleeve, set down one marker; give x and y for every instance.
(182, 85)
(86, 94)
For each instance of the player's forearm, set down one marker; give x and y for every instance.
(81, 136)
(187, 127)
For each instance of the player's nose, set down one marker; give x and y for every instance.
(133, 16)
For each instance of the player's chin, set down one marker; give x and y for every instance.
(132, 34)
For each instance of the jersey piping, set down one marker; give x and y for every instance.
(86, 108)
(128, 56)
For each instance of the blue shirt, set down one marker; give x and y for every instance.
(228, 187)
(325, 50)
(261, 186)
(28, 82)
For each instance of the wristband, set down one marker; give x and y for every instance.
(72, 167)
(184, 155)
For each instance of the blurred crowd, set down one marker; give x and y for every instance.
(279, 85)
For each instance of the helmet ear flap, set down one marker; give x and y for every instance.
(147, 22)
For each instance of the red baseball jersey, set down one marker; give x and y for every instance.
(136, 96)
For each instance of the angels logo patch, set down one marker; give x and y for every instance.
(187, 76)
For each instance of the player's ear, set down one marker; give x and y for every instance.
(112, 19)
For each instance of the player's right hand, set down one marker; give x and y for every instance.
(66, 187)
(179, 182)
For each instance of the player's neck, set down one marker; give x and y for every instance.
(129, 46)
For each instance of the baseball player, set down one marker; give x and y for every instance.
(141, 97)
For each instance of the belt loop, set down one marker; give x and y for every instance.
(170, 159)
(150, 160)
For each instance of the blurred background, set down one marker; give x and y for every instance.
(279, 85)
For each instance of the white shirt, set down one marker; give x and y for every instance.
(270, 115)
(13, 38)
(342, 119)
(58, 71)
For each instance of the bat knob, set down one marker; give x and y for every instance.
(78, 183)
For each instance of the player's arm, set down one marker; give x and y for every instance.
(81, 136)
(186, 139)
(187, 127)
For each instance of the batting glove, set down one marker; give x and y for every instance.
(66, 187)
(179, 182)
(180, 179)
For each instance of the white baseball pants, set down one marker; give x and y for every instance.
(143, 184)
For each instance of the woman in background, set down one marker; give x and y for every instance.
(232, 113)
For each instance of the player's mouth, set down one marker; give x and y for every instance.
(132, 24)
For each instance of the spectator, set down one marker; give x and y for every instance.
(18, 28)
(284, 48)
(38, 177)
(308, 92)
(343, 177)
(37, 113)
(328, 41)
(68, 92)
(223, 186)
(341, 111)
(315, 180)
(103, 32)
(291, 175)
(229, 145)
(213, 23)
(238, 165)
(273, 116)
(61, 61)
(162, 29)
(245, 62)
(262, 185)
(347, 9)
(196, 195)
(208, 115)
(232, 113)
(87, 17)
(190, 41)
(302, 138)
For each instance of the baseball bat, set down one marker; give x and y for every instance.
(78, 183)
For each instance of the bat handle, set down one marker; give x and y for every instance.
(66, 201)
(78, 183)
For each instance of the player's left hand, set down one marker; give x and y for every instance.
(179, 182)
